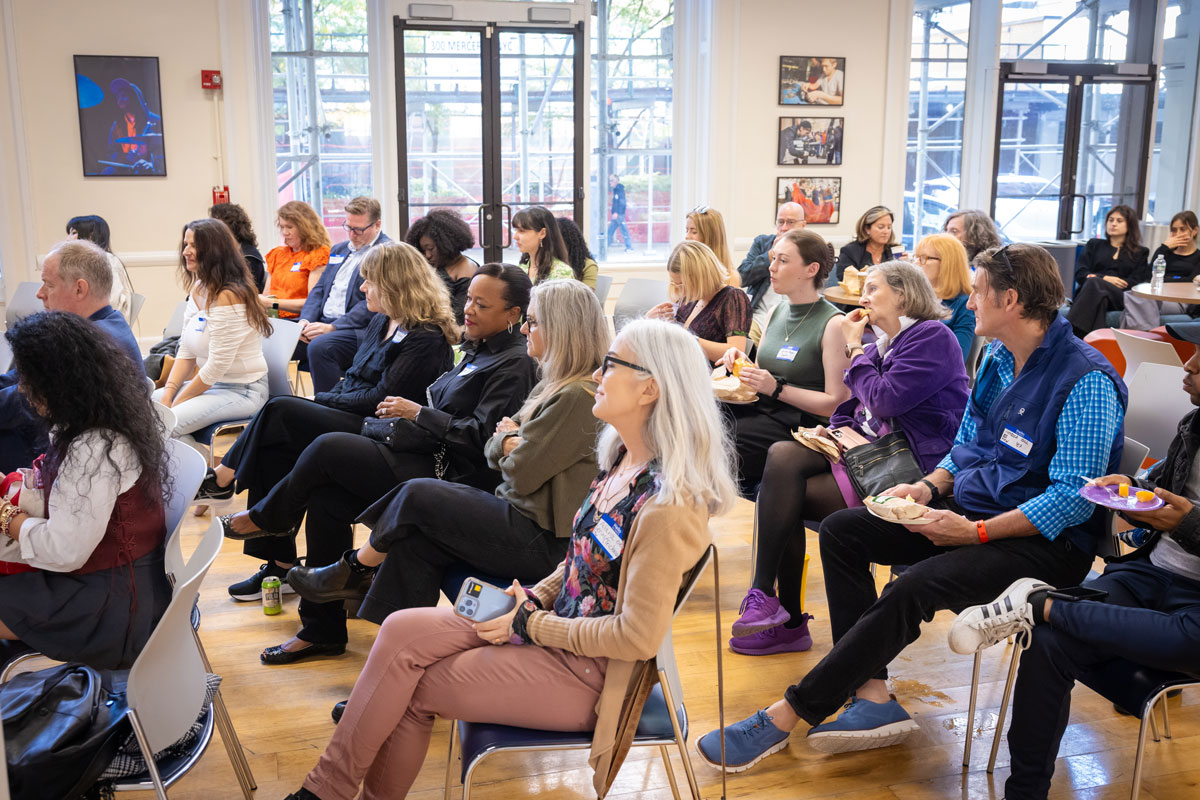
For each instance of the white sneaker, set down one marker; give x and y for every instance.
(985, 625)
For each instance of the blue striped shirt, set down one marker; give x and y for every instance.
(1086, 430)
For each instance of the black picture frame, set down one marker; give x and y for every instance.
(802, 76)
(119, 99)
(800, 188)
(811, 141)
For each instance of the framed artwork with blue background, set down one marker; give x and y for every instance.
(120, 116)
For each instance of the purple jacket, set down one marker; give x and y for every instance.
(921, 387)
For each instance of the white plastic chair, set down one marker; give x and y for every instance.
(603, 286)
(1156, 404)
(135, 306)
(973, 358)
(186, 469)
(23, 303)
(1138, 351)
(6, 356)
(167, 416)
(175, 323)
(637, 296)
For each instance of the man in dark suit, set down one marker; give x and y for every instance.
(335, 315)
(76, 278)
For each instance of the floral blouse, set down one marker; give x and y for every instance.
(589, 587)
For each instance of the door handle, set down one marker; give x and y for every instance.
(1075, 197)
(479, 226)
(507, 225)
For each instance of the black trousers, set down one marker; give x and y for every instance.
(1095, 298)
(756, 427)
(335, 479)
(869, 630)
(430, 525)
(1150, 617)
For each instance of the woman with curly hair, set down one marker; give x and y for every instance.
(219, 371)
(294, 267)
(443, 236)
(238, 221)
(975, 229)
(89, 520)
(583, 264)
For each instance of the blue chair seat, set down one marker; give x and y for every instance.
(205, 435)
(1130, 685)
(481, 738)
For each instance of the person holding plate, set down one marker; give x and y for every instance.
(909, 379)
(801, 357)
(1046, 412)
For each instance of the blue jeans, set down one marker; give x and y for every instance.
(221, 402)
(1151, 617)
(613, 225)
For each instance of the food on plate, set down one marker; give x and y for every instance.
(813, 440)
(1144, 496)
(731, 390)
(738, 365)
(896, 509)
(1123, 490)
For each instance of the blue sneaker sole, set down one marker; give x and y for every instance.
(735, 768)
(849, 741)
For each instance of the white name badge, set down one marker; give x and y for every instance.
(467, 370)
(1015, 439)
(200, 321)
(398, 336)
(296, 266)
(787, 353)
(334, 260)
(607, 534)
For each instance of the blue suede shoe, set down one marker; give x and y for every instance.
(863, 725)
(746, 743)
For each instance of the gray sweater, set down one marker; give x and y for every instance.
(548, 474)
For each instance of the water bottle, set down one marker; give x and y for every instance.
(1160, 270)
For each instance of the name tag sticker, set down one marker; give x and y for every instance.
(1015, 439)
(200, 321)
(467, 370)
(333, 260)
(788, 353)
(296, 266)
(398, 336)
(607, 534)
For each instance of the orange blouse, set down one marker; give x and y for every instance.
(289, 271)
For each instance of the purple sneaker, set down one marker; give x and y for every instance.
(759, 612)
(779, 639)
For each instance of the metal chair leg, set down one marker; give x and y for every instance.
(680, 739)
(1021, 644)
(160, 790)
(971, 710)
(666, 757)
(450, 759)
(1153, 723)
(233, 745)
(1166, 718)
(1137, 759)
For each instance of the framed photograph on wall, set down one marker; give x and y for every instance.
(810, 140)
(811, 80)
(821, 198)
(120, 116)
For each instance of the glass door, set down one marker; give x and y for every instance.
(490, 120)
(1071, 142)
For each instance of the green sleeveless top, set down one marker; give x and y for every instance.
(791, 344)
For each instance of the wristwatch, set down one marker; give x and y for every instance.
(779, 384)
(274, 306)
(850, 348)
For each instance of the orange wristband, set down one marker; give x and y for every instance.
(981, 529)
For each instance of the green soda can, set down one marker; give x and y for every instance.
(272, 602)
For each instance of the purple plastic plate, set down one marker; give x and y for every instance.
(1107, 496)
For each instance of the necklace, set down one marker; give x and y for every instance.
(788, 337)
(604, 492)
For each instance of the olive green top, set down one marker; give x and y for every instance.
(799, 326)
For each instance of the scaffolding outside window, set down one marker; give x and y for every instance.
(632, 71)
(321, 91)
(937, 100)
(1177, 84)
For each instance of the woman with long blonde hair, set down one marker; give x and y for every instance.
(591, 627)
(707, 226)
(546, 454)
(944, 261)
(294, 267)
(717, 314)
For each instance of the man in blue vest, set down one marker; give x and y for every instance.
(1046, 414)
(335, 314)
(76, 277)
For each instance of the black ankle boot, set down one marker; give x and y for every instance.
(338, 581)
(302, 794)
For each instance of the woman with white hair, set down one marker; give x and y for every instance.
(591, 626)
(910, 379)
(546, 454)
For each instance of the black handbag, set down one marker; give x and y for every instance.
(62, 727)
(881, 464)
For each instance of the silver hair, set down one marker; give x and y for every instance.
(685, 431)
(917, 297)
(78, 259)
(576, 336)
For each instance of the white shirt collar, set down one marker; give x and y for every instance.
(882, 340)
(354, 249)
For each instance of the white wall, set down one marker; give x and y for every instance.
(145, 214)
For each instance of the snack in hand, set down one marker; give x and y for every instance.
(1144, 496)
(731, 390)
(737, 367)
(895, 509)
(810, 438)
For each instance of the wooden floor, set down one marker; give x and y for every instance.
(282, 713)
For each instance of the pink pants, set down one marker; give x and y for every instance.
(427, 662)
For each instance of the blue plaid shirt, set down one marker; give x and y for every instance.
(1085, 432)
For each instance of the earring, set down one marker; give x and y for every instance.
(510, 327)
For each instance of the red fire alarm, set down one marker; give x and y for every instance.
(210, 78)
(220, 195)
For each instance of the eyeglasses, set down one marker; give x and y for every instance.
(1003, 253)
(609, 361)
(531, 320)
(359, 231)
(923, 259)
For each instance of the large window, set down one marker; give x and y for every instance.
(322, 104)
(937, 93)
(632, 68)
(1064, 30)
(1176, 97)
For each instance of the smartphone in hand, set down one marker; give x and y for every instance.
(479, 601)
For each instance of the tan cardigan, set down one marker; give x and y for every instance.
(665, 543)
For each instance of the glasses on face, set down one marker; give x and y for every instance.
(358, 231)
(531, 321)
(610, 361)
(925, 259)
